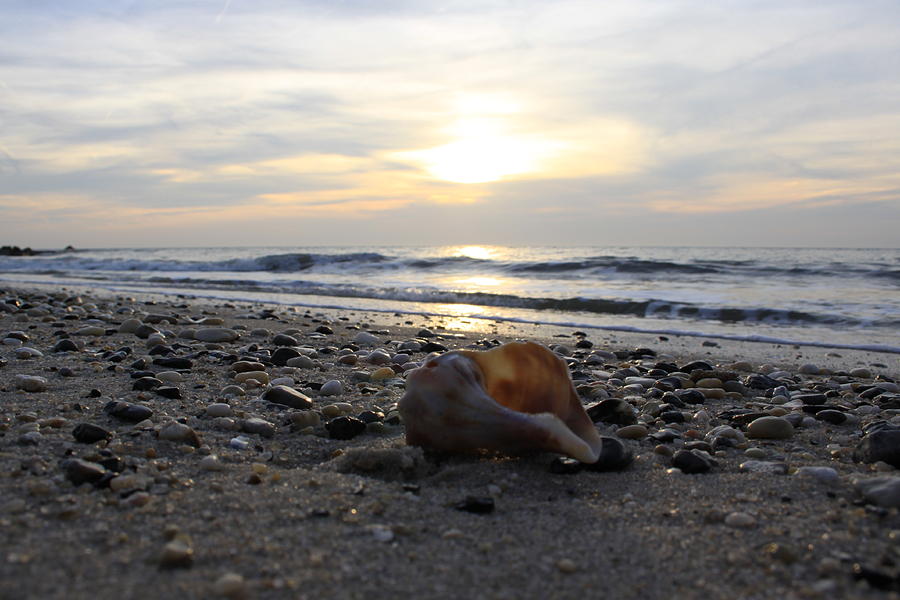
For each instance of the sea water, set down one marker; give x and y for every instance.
(835, 297)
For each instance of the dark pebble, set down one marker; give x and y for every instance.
(88, 433)
(479, 505)
(761, 382)
(145, 331)
(692, 461)
(697, 364)
(370, 416)
(614, 456)
(66, 372)
(173, 362)
(145, 383)
(612, 410)
(880, 444)
(287, 396)
(584, 344)
(324, 329)
(433, 347)
(65, 345)
(811, 398)
(160, 350)
(877, 579)
(665, 435)
(283, 339)
(344, 428)
(672, 416)
(871, 393)
(80, 471)
(282, 354)
(170, 392)
(94, 393)
(127, 411)
(835, 417)
(691, 396)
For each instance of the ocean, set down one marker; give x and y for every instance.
(828, 297)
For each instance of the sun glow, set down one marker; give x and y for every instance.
(476, 252)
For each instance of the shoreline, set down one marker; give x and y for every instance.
(297, 513)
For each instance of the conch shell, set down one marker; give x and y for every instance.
(514, 398)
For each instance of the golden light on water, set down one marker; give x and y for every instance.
(476, 252)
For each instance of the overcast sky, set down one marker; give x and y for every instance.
(231, 122)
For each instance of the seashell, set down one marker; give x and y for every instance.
(514, 398)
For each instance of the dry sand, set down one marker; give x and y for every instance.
(301, 515)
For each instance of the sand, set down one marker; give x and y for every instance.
(301, 515)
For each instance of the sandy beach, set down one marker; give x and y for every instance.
(142, 456)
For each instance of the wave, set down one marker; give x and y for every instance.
(648, 308)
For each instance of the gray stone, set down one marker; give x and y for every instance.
(878, 445)
(179, 432)
(215, 335)
(258, 426)
(30, 383)
(770, 428)
(332, 388)
(882, 491)
(764, 466)
(287, 396)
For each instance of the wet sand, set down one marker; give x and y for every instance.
(298, 514)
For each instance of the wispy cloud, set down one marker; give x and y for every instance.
(224, 113)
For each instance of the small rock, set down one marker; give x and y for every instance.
(231, 586)
(80, 471)
(881, 491)
(179, 432)
(614, 456)
(345, 428)
(476, 504)
(883, 444)
(771, 428)
(219, 409)
(632, 432)
(177, 554)
(382, 374)
(287, 396)
(764, 466)
(692, 461)
(283, 339)
(88, 433)
(30, 383)
(215, 335)
(211, 462)
(65, 345)
(823, 474)
(740, 520)
(365, 338)
(301, 362)
(612, 410)
(127, 411)
(258, 426)
(331, 388)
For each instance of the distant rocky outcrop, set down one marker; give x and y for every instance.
(26, 251)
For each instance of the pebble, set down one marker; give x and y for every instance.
(614, 456)
(219, 409)
(283, 339)
(566, 565)
(258, 426)
(770, 428)
(80, 471)
(632, 432)
(764, 466)
(861, 373)
(260, 376)
(177, 554)
(92, 330)
(612, 410)
(231, 586)
(382, 374)
(239, 443)
(129, 326)
(366, 339)
(879, 445)
(332, 387)
(128, 411)
(823, 474)
(179, 432)
(305, 418)
(287, 396)
(345, 428)
(693, 461)
(65, 345)
(881, 491)
(479, 505)
(170, 377)
(301, 362)
(30, 383)
(211, 462)
(88, 433)
(740, 520)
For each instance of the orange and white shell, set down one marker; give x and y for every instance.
(514, 398)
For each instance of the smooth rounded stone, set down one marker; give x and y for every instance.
(347, 359)
(130, 325)
(879, 445)
(177, 554)
(305, 418)
(174, 362)
(382, 374)
(283, 339)
(88, 433)
(614, 456)
(344, 428)
(644, 382)
(612, 410)
(835, 417)
(861, 373)
(303, 362)
(881, 491)
(288, 381)
(179, 432)
(672, 416)
(888, 386)
(410, 346)
(365, 338)
(632, 432)
(30, 438)
(127, 411)
(692, 461)
(65, 345)
(211, 462)
(17, 335)
(770, 428)
(283, 354)
(713, 393)
(764, 466)
(258, 426)
(233, 390)
(30, 383)
(170, 377)
(244, 366)
(26, 353)
(225, 424)
(80, 471)
(8, 341)
(709, 382)
(740, 520)
(332, 387)
(215, 335)
(167, 391)
(809, 369)
(144, 384)
(131, 481)
(219, 409)
(91, 330)
(400, 358)
(287, 396)
(378, 357)
(823, 474)
(755, 453)
(370, 416)
(231, 586)
(260, 376)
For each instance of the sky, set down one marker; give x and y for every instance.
(276, 122)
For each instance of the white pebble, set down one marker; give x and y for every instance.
(332, 388)
(740, 520)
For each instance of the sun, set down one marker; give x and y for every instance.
(484, 146)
